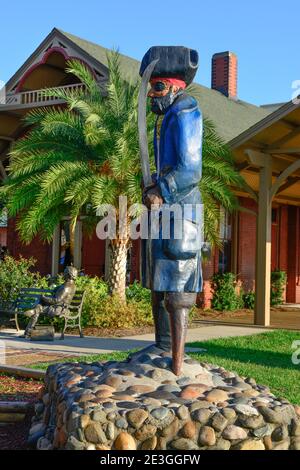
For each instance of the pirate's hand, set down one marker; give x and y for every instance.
(152, 195)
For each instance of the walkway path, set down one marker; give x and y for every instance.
(73, 345)
(285, 316)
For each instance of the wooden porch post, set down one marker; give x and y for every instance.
(55, 251)
(263, 238)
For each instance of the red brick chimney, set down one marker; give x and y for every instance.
(224, 73)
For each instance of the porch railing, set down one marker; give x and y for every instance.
(36, 97)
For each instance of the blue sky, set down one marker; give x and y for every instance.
(262, 33)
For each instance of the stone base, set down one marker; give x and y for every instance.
(42, 333)
(141, 404)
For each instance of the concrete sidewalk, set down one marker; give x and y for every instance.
(73, 345)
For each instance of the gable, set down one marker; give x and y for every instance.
(46, 65)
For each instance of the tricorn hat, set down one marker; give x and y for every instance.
(174, 62)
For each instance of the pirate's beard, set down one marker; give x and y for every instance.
(161, 104)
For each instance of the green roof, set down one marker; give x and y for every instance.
(231, 117)
(129, 67)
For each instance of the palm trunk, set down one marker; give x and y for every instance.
(117, 269)
(72, 241)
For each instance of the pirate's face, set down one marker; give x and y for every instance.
(159, 88)
(162, 94)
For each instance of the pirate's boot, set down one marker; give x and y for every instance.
(161, 325)
(178, 305)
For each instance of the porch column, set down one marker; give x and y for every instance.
(77, 245)
(263, 238)
(55, 251)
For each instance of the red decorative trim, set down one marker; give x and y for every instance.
(50, 51)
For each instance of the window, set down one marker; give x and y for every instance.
(274, 216)
(66, 257)
(225, 235)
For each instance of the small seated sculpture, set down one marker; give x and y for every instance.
(55, 306)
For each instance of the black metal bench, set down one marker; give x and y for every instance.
(29, 297)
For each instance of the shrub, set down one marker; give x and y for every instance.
(225, 296)
(137, 292)
(113, 313)
(96, 293)
(99, 308)
(104, 311)
(14, 275)
(249, 299)
(278, 280)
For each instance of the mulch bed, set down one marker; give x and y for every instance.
(21, 357)
(14, 436)
(19, 389)
(120, 332)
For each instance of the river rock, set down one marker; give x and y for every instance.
(184, 444)
(145, 432)
(251, 422)
(232, 433)
(140, 388)
(202, 416)
(74, 444)
(263, 431)
(114, 381)
(183, 412)
(229, 414)
(295, 428)
(250, 444)
(121, 423)
(280, 433)
(295, 443)
(216, 396)
(149, 444)
(201, 404)
(124, 441)
(193, 391)
(282, 445)
(171, 430)
(161, 374)
(222, 444)
(270, 415)
(189, 430)
(207, 436)
(99, 416)
(219, 422)
(159, 413)
(246, 410)
(84, 421)
(161, 395)
(103, 394)
(110, 431)
(94, 433)
(137, 417)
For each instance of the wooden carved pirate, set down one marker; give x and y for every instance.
(172, 267)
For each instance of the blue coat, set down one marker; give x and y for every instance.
(172, 264)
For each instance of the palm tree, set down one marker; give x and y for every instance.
(75, 159)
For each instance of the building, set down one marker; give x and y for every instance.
(266, 146)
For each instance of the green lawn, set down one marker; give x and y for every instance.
(267, 357)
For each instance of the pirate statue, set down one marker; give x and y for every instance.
(55, 306)
(172, 267)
